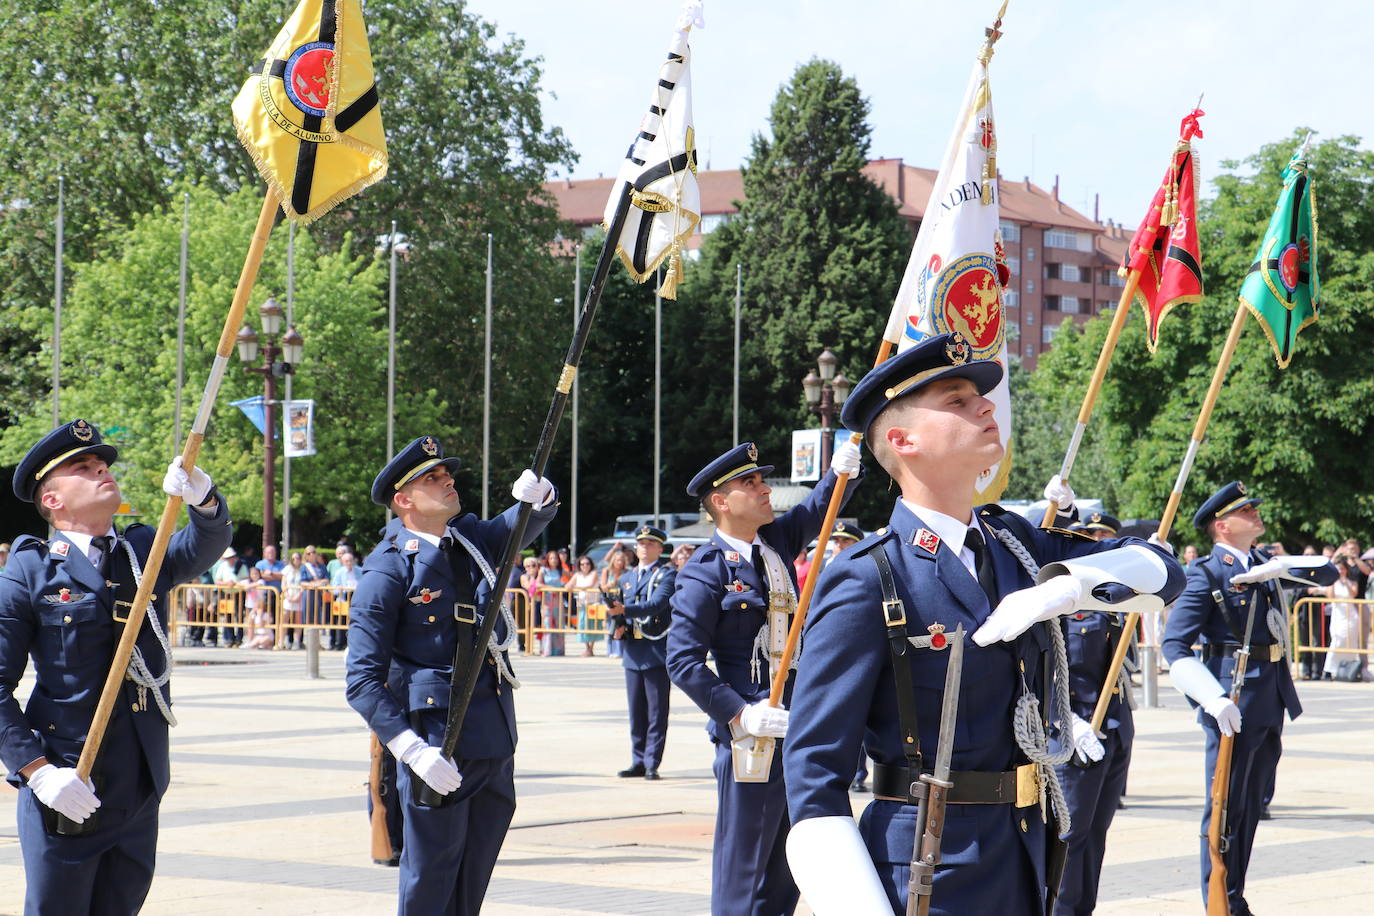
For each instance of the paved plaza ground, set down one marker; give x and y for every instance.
(266, 809)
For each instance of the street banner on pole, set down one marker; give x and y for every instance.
(298, 427)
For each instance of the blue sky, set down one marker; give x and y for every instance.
(1092, 92)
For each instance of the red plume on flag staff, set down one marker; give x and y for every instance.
(1165, 249)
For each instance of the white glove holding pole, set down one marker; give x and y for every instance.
(1025, 607)
(1193, 680)
(846, 458)
(764, 721)
(1059, 493)
(426, 761)
(1154, 541)
(533, 489)
(833, 869)
(193, 488)
(1085, 743)
(62, 790)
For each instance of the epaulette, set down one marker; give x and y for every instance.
(28, 542)
(868, 543)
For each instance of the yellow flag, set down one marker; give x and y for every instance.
(309, 115)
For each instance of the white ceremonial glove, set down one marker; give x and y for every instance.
(1023, 608)
(846, 459)
(192, 487)
(1225, 712)
(426, 761)
(1299, 569)
(63, 791)
(1164, 545)
(833, 869)
(529, 488)
(1086, 744)
(1261, 573)
(1059, 493)
(764, 721)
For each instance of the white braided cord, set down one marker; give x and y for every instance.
(496, 647)
(139, 672)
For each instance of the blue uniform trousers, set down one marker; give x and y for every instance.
(648, 690)
(1254, 759)
(749, 872)
(449, 853)
(1092, 793)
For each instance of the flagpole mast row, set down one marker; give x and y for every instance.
(167, 523)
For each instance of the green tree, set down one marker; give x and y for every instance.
(120, 364)
(1296, 436)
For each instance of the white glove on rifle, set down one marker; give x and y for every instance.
(63, 791)
(1025, 607)
(1193, 680)
(833, 869)
(426, 761)
(192, 487)
(764, 721)
(1225, 712)
(1059, 493)
(532, 489)
(1085, 743)
(846, 459)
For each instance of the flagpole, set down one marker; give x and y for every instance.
(1171, 508)
(739, 275)
(152, 566)
(181, 316)
(285, 549)
(57, 310)
(486, 391)
(1104, 359)
(658, 393)
(572, 507)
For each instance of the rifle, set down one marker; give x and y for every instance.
(381, 837)
(1217, 842)
(930, 813)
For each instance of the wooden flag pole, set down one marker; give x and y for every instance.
(153, 565)
(1204, 416)
(1104, 359)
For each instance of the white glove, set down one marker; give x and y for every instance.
(833, 868)
(846, 458)
(63, 791)
(1025, 607)
(1225, 712)
(192, 487)
(1165, 545)
(1085, 743)
(532, 489)
(1261, 573)
(426, 761)
(764, 721)
(1059, 493)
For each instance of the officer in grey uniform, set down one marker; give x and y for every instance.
(416, 602)
(89, 847)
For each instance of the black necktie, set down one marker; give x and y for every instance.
(760, 568)
(103, 545)
(982, 562)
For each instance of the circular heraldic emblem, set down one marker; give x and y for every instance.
(307, 77)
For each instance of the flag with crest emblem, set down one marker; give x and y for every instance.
(309, 114)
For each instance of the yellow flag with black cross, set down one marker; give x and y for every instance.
(309, 114)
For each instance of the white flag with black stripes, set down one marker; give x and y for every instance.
(660, 170)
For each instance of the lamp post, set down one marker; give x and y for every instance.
(825, 393)
(289, 350)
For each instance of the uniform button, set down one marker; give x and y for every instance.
(743, 605)
(51, 727)
(429, 701)
(134, 707)
(431, 618)
(1083, 631)
(66, 618)
(1024, 828)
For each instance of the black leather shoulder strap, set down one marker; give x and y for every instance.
(894, 619)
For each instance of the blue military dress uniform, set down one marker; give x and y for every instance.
(58, 608)
(1092, 791)
(994, 855)
(647, 593)
(719, 606)
(1213, 613)
(402, 639)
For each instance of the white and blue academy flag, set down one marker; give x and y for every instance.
(954, 280)
(660, 168)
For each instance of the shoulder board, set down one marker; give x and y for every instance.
(991, 510)
(1065, 532)
(705, 550)
(868, 543)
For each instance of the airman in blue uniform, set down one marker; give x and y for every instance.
(641, 623)
(1223, 590)
(91, 849)
(875, 658)
(723, 605)
(418, 597)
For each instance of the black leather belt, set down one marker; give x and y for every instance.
(970, 788)
(1267, 652)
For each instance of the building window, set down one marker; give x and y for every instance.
(1052, 271)
(1030, 318)
(1112, 278)
(1069, 304)
(1052, 302)
(713, 221)
(1013, 331)
(1105, 304)
(1030, 286)
(1030, 254)
(1047, 333)
(1063, 238)
(1030, 349)
(1011, 298)
(1014, 265)
(1011, 232)
(1070, 272)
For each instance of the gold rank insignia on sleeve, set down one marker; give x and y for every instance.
(426, 596)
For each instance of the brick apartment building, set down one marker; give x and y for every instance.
(1063, 264)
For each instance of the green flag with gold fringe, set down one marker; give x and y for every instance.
(1281, 290)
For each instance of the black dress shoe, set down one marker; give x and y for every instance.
(636, 770)
(652, 774)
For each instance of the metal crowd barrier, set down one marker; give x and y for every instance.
(246, 614)
(1325, 628)
(557, 612)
